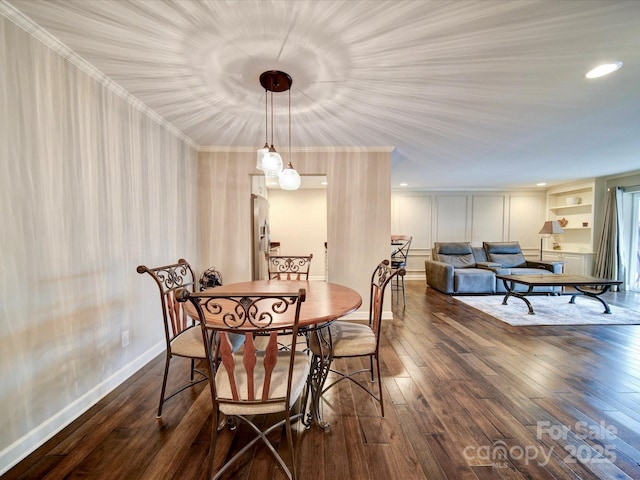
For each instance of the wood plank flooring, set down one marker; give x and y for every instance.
(466, 397)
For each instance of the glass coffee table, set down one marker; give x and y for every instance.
(597, 286)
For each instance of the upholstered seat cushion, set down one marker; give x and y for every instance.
(348, 338)
(530, 271)
(473, 280)
(188, 343)
(278, 384)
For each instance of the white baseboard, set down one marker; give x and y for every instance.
(22, 447)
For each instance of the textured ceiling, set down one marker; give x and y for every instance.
(471, 94)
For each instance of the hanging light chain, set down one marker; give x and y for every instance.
(271, 115)
(266, 120)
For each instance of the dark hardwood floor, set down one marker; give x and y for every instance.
(467, 397)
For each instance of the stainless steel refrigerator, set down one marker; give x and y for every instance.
(260, 235)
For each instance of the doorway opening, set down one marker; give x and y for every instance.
(297, 221)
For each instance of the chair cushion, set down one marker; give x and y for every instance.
(278, 384)
(188, 343)
(348, 339)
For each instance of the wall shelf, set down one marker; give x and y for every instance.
(569, 208)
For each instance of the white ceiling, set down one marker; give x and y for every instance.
(472, 94)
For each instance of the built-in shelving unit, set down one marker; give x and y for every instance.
(573, 205)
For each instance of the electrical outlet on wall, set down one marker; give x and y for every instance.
(125, 338)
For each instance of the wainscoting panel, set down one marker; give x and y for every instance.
(452, 218)
(488, 218)
(466, 217)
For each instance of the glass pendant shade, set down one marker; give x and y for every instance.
(261, 153)
(289, 178)
(272, 163)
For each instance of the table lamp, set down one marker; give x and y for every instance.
(550, 227)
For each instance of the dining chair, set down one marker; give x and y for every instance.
(252, 381)
(182, 335)
(347, 339)
(400, 252)
(289, 267)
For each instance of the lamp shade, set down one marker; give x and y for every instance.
(289, 178)
(272, 163)
(551, 227)
(260, 157)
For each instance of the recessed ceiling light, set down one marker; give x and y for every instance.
(541, 184)
(602, 70)
(403, 184)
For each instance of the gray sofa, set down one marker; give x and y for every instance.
(454, 269)
(457, 268)
(506, 258)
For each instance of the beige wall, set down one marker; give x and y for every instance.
(358, 211)
(298, 220)
(92, 185)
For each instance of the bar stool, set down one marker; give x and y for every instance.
(399, 254)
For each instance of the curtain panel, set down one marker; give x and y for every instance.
(610, 254)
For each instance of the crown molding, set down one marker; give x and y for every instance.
(61, 49)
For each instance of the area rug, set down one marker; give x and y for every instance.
(555, 310)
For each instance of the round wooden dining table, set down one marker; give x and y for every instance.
(325, 302)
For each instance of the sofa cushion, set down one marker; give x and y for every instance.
(507, 254)
(529, 271)
(474, 280)
(453, 248)
(508, 260)
(458, 254)
(479, 254)
(459, 261)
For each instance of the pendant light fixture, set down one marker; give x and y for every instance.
(271, 161)
(289, 179)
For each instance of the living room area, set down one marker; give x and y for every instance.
(478, 217)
